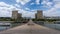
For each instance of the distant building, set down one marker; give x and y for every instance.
(27, 17)
(15, 14)
(39, 14)
(19, 15)
(52, 17)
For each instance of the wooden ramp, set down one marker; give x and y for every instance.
(30, 28)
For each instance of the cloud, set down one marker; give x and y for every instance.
(54, 11)
(27, 13)
(27, 8)
(56, 0)
(23, 2)
(46, 3)
(17, 5)
(5, 9)
(2, 4)
(32, 3)
(37, 1)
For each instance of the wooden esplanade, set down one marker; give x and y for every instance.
(30, 28)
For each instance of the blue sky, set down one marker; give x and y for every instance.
(28, 8)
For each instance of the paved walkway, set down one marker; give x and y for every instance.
(30, 28)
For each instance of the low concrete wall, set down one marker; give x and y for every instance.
(39, 22)
(55, 26)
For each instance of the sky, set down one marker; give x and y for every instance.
(28, 8)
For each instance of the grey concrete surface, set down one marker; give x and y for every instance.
(30, 28)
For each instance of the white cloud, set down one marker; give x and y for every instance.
(27, 9)
(23, 2)
(56, 0)
(47, 3)
(32, 3)
(37, 1)
(54, 10)
(17, 5)
(6, 11)
(27, 13)
(2, 4)
(46, 0)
